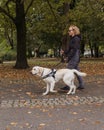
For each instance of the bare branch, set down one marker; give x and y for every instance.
(29, 6)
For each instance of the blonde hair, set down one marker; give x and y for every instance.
(75, 29)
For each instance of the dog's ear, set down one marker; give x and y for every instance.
(40, 71)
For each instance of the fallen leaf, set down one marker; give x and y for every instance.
(28, 93)
(27, 124)
(83, 119)
(42, 124)
(74, 113)
(97, 122)
(13, 123)
(29, 112)
(7, 128)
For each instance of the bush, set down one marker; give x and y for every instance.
(11, 55)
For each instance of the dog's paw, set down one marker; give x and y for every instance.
(54, 91)
(44, 94)
(68, 93)
(72, 93)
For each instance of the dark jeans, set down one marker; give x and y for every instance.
(74, 65)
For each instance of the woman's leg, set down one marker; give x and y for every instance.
(80, 80)
(74, 65)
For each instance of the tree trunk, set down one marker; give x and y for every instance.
(96, 49)
(91, 48)
(82, 47)
(21, 62)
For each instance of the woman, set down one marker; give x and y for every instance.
(73, 53)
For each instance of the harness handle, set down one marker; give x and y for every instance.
(51, 74)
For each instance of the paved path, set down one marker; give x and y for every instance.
(22, 106)
(21, 93)
(73, 117)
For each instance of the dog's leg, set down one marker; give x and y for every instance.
(71, 89)
(47, 89)
(74, 89)
(52, 87)
(68, 82)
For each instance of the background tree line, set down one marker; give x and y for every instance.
(43, 24)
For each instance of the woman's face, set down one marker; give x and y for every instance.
(71, 31)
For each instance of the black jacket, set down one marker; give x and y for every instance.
(73, 51)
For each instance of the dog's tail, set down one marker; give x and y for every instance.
(79, 73)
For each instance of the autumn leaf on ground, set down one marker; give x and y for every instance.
(27, 124)
(82, 120)
(13, 123)
(42, 124)
(28, 93)
(97, 122)
(74, 113)
(29, 112)
(8, 128)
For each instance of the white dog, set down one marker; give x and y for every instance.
(52, 76)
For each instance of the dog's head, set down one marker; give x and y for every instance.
(36, 70)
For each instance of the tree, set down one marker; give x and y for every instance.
(43, 24)
(48, 21)
(89, 16)
(16, 12)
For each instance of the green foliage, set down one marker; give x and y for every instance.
(89, 16)
(5, 51)
(46, 23)
(48, 20)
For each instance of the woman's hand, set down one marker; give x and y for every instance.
(61, 52)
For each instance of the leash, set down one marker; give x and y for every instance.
(63, 60)
(53, 71)
(57, 64)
